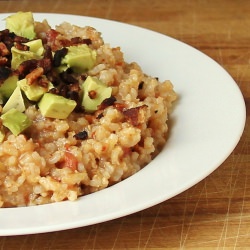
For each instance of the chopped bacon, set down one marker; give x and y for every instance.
(120, 106)
(132, 115)
(51, 36)
(3, 61)
(46, 64)
(59, 54)
(34, 75)
(3, 49)
(75, 41)
(69, 161)
(27, 66)
(92, 94)
(107, 102)
(21, 46)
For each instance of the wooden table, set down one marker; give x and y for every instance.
(215, 213)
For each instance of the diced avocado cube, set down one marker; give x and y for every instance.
(15, 101)
(15, 121)
(94, 93)
(19, 56)
(80, 58)
(55, 106)
(36, 46)
(32, 91)
(22, 24)
(8, 86)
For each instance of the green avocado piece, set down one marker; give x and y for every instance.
(19, 56)
(55, 106)
(15, 101)
(22, 24)
(33, 92)
(15, 121)
(36, 46)
(8, 86)
(80, 58)
(94, 93)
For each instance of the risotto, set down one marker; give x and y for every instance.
(56, 159)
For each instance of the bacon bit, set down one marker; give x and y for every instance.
(43, 82)
(79, 40)
(27, 66)
(21, 46)
(3, 61)
(48, 53)
(107, 102)
(132, 115)
(120, 106)
(51, 36)
(92, 94)
(20, 39)
(99, 114)
(83, 135)
(46, 64)
(3, 49)
(34, 75)
(75, 41)
(59, 54)
(69, 161)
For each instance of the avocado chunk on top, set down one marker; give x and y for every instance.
(55, 106)
(80, 58)
(19, 56)
(22, 24)
(15, 101)
(94, 93)
(33, 91)
(36, 46)
(15, 121)
(8, 86)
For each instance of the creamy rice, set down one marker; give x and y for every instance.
(47, 163)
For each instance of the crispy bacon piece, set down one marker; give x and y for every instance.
(133, 115)
(51, 36)
(34, 75)
(59, 54)
(21, 46)
(3, 49)
(107, 102)
(26, 67)
(3, 61)
(75, 41)
(46, 64)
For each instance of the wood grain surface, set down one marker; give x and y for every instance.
(215, 213)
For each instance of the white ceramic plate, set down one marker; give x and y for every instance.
(206, 125)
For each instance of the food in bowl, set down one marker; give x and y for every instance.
(75, 116)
